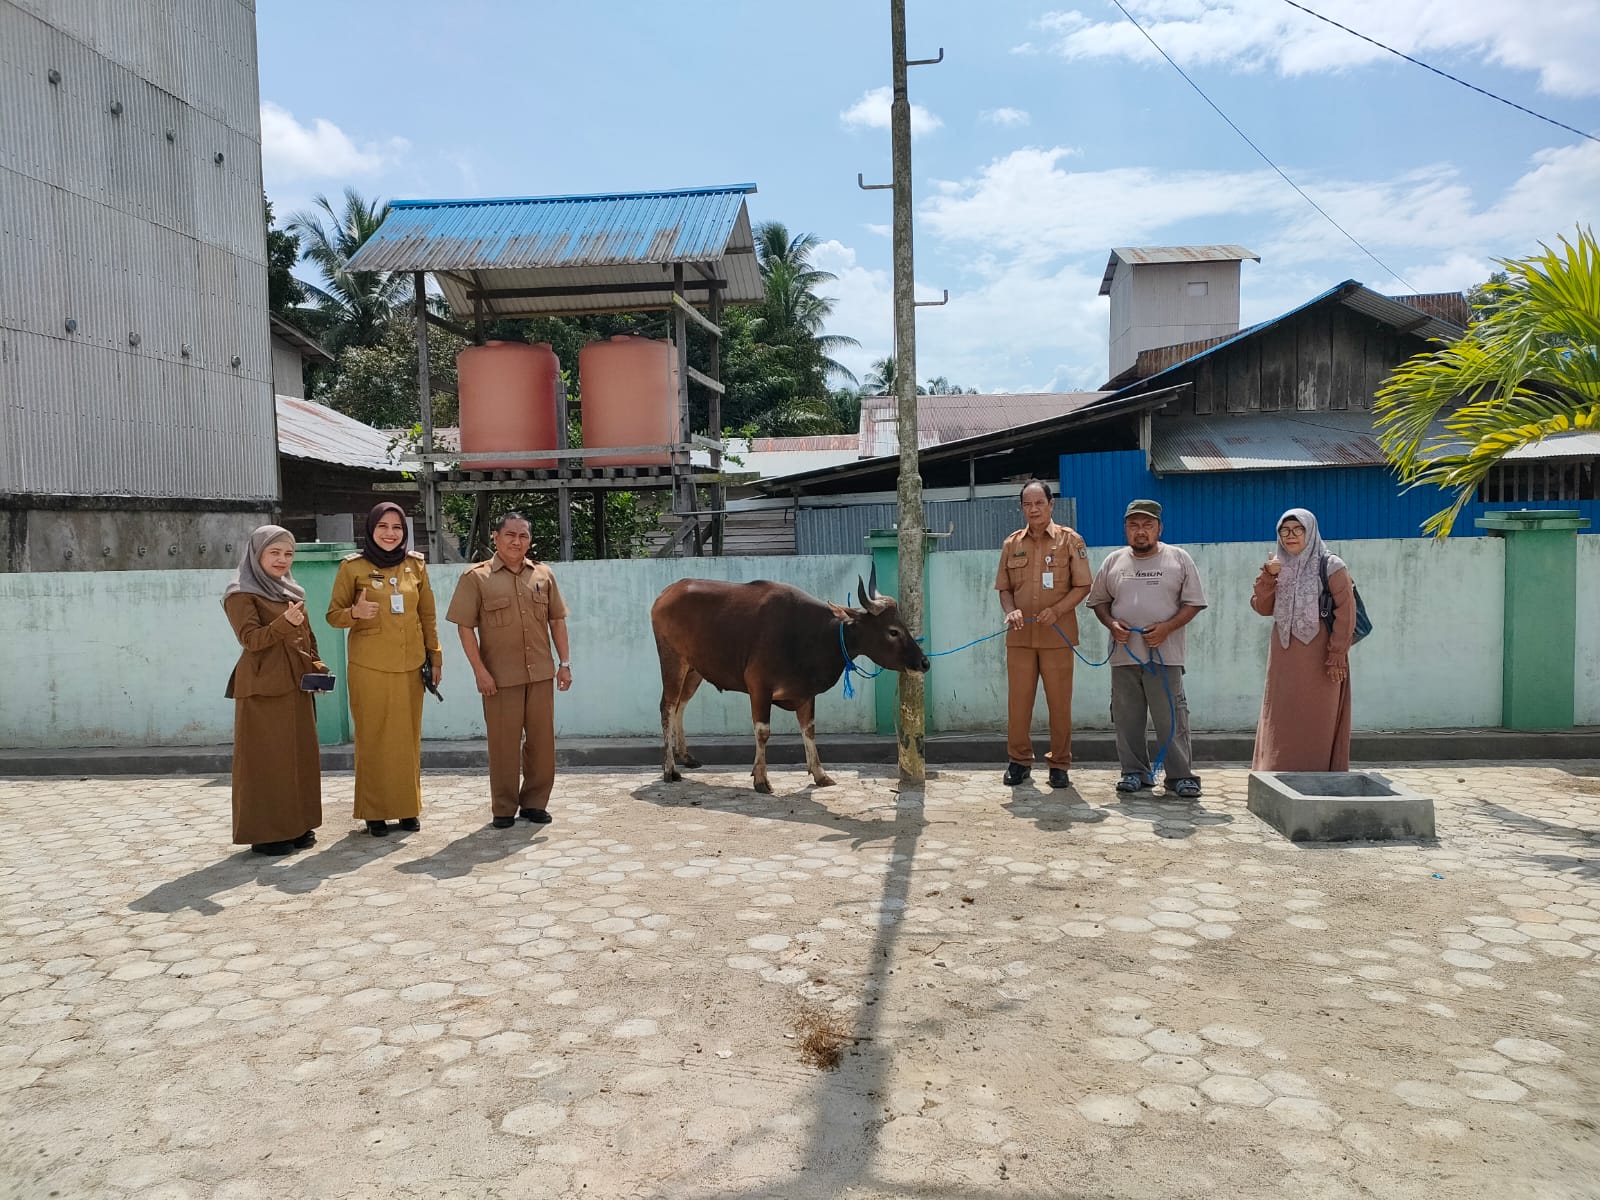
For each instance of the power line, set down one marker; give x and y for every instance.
(1446, 74)
(1264, 156)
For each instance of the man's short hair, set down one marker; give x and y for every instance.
(500, 521)
(1038, 483)
(1143, 508)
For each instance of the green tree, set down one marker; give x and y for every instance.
(940, 386)
(1527, 368)
(355, 306)
(284, 291)
(377, 384)
(882, 378)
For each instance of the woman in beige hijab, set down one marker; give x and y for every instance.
(277, 771)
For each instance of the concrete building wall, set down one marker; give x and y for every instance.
(141, 657)
(133, 303)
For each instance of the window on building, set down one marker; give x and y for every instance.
(1540, 479)
(1199, 287)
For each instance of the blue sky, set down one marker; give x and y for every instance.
(1048, 135)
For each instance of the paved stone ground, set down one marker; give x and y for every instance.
(1038, 995)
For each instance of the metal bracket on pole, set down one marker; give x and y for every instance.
(932, 303)
(861, 182)
(926, 62)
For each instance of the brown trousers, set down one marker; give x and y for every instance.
(1025, 666)
(521, 721)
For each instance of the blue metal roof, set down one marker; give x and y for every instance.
(543, 232)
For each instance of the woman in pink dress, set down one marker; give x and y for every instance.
(1305, 712)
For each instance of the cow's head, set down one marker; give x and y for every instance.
(880, 634)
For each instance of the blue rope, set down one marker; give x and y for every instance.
(1155, 664)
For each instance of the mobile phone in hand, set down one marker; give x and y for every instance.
(314, 682)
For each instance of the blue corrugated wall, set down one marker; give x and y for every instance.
(1243, 506)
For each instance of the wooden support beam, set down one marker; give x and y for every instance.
(695, 315)
(596, 289)
(460, 331)
(705, 381)
(714, 427)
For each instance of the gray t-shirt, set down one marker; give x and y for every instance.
(1142, 591)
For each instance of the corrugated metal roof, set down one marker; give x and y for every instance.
(1144, 255)
(540, 242)
(311, 431)
(1447, 306)
(942, 419)
(1264, 442)
(1286, 441)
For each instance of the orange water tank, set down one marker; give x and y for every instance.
(508, 402)
(630, 398)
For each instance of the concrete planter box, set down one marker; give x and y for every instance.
(1312, 806)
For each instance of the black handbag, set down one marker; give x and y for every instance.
(427, 678)
(1363, 622)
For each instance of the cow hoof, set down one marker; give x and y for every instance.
(762, 786)
(690, 761)
(824, 781)
(671, 777)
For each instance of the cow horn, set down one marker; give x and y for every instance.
(872, 582)
(863, 594)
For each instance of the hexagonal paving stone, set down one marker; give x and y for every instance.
(1236, 1090)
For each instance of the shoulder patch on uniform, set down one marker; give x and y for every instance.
(352, 557)
(414, 554)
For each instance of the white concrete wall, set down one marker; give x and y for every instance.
(141, 657)
(1586, 687)
(1432, 661)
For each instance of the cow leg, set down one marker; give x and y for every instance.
(806, 711)
(680, 745)
(761, 715)
(673, 673)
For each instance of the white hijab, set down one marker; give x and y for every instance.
(1297, 607)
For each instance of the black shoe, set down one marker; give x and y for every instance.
(1016, 773)
(411, 824)
(504, 822)
(378, 828)
(308, 838)
(537, 815)
(1059, 778)
(273, 848)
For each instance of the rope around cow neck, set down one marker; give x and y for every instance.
(1155, 664)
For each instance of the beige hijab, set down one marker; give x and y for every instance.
(253, 579)
(1297, 606)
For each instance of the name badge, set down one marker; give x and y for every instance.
(397, 603)
(1048, 579)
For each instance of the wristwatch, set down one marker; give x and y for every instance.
(565, 665)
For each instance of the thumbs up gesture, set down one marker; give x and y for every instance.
(363, 608)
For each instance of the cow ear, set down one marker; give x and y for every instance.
(839, 610)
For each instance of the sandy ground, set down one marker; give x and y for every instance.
(1029, 995)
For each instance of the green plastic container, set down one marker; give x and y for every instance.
(315, 566)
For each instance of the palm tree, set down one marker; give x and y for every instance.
(792, 311)
(1527, 368)
(883, 377)
(355, 305)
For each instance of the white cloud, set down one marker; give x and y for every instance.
(1025, 239)
(863, 305)
(1005, 116)
(1558, 39)
(872, 112)
(292, 151)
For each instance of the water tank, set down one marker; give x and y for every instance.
(630, 398)
(508, 402)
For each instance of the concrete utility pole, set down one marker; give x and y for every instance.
(913, 766)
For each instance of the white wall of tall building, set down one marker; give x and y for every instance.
(1151, 306)
(127, 224)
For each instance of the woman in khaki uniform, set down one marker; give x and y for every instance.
(383, 597)
(277, 772)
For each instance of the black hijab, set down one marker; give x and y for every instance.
(376, 554)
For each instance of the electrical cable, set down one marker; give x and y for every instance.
(1446, 74)
(1388, 270)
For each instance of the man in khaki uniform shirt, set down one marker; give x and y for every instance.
(1043, 576)
(509, 611)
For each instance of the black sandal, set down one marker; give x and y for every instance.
(378, 828)
(411, 824)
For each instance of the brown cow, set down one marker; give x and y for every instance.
(774, 642)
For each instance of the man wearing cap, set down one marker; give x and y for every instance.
(1043, 576)
(1145, 593)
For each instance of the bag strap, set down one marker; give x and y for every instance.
(1323, 564)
